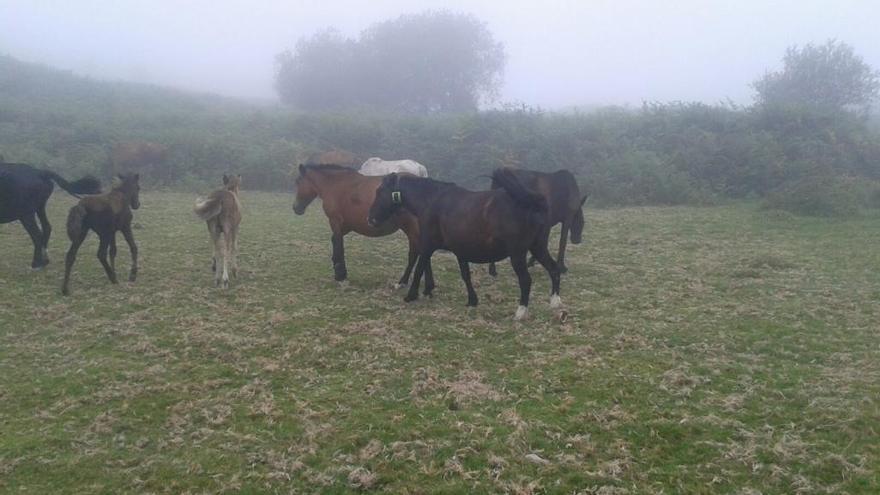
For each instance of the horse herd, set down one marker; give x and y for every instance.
(510, 220)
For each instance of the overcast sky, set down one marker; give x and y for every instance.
(560, 53)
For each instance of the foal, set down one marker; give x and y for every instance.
(346, 196)
(105, 214)
(478, 227)
(222, 211)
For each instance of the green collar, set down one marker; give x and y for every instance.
(396, 198)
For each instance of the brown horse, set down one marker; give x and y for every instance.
(222, 212)
(346, 197)
(564, 205)
(106, 214)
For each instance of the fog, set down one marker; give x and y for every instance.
(560, 54)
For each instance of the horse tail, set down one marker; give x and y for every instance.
(75, 220)
(523, 196)
(86, 185)
(207, 209)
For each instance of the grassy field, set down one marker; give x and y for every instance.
(708, 350)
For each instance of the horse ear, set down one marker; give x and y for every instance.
(225, 179)
(584, 199)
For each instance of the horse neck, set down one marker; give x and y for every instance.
(417, 193)
(325, 181)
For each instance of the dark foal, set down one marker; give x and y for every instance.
(24, 191)
(478, 227)
(564, 205)
(346, 196)
(106, 214)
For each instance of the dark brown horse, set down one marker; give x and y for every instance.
(346, 196)
(106, 214)
(478, 227)
(24, 191)
(564, 205)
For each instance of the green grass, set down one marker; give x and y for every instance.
(708, 350)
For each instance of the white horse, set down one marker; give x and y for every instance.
(378, 166)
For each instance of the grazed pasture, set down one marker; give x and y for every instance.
(724, 350)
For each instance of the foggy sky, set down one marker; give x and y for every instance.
(560, 53)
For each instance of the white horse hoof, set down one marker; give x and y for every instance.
(399, 286)
(555, 301)
(343, 284)
(522, 313)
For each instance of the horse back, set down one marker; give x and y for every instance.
(23, 189)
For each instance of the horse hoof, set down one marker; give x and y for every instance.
(409, 298)
(555, 301)
(399, 286)
(522, 313)
(563, 268)
(561, 316)
(37, 268)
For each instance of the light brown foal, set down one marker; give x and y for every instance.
(222, 212)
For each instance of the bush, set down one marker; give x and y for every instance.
(825, 196)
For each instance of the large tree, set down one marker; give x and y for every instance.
(829, 76)
(429, 62)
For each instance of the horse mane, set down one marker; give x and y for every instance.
(328, 167)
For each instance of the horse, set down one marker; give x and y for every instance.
(24, 192)
(333, 157)
(478, 227)
(565, 206)
(106, 214)
(221, 210)
(346, 196)
(378, 166)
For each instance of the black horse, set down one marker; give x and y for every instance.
(24, 191)
(478, 227)
(564, 205)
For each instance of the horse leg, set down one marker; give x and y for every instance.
(465, 269)
(102, 257)
(212, 227)
(545, 235)
(518, 262)
(429, 280)
(113, 252)
(129, 238)
(47, 231)
(412, 257)
(227, 249)
(563, 241)
(492, 271)
(338, 258)
(235, 252)
(70, 258)
(421, 266)
(539, 250)
(30, 225)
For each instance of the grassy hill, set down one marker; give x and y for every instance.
(677, 153)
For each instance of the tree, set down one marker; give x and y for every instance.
(317, 75)
(421, 63)
(829, 76)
